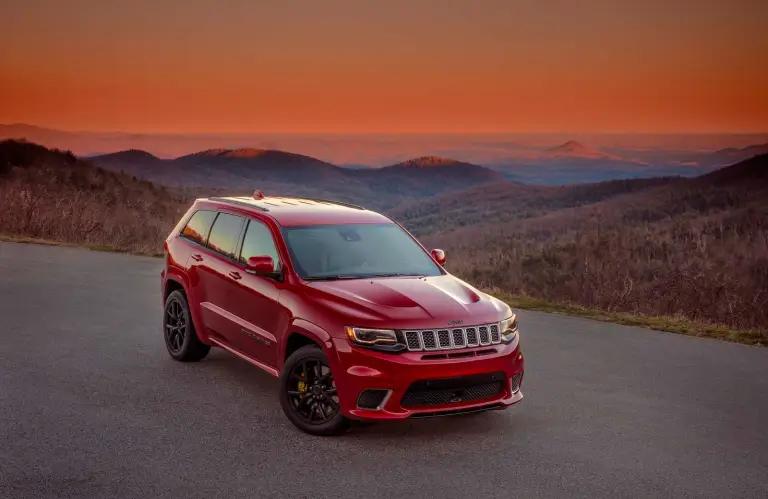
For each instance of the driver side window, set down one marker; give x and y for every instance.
(258, 242)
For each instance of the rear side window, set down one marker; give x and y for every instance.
(225, 234)
(198, 226)
(258, 242)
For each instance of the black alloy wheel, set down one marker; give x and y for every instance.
(175, 325)
(308, 393)
(312, 392)
(179, 331)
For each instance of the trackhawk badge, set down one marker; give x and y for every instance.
(455, 322)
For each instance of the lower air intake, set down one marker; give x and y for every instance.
(514, 382)
(371, 399)
(453, 390)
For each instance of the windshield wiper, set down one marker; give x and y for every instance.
(394, 274)
(334, 277)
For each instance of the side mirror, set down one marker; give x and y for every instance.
(439, 256)
(261, 265)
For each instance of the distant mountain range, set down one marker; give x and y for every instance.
(568, 162)
(294, 174)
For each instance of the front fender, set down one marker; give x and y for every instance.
(314, 333)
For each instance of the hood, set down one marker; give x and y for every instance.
(408, 302)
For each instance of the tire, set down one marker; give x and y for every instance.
(179, 332)
(312, 410)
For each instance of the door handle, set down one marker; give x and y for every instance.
(235, 275)
(197, 258)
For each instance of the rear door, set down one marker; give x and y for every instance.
(213, 272)
(189, 251)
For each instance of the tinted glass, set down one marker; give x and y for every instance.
(356, 250)
(225, 234)
(198, 226)
(258, 242)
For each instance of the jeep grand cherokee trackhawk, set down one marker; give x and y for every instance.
(353, 315)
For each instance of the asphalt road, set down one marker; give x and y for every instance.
(92, 406)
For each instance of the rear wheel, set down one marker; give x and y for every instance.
(179, 331)
(308, 393)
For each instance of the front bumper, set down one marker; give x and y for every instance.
(360, 369)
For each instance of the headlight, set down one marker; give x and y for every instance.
(508, 329)
(370, 337)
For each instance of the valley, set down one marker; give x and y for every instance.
(689, 248)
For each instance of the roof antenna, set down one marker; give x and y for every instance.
(258, 194)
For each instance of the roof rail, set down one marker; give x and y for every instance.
(328, 201)
(238, 202)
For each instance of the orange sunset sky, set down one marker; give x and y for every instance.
(337, 66)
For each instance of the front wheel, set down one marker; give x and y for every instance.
(308, 393)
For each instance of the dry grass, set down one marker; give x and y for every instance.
(696, 250)
(50, 195)
(679, 325)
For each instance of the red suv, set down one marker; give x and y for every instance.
(353, 315)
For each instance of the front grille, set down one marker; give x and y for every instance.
(453, 390)
(449, 339)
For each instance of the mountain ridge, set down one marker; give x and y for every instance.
(295, 174)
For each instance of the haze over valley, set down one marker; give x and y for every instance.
(548, 159)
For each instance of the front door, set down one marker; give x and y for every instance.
(257, 301)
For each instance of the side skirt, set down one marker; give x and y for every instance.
(271, 370)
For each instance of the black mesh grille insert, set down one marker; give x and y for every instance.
(484, 338)
(495, 338)
(371, 399)
(514, 382)
(445, 338)
(412, 338)
(429, 340)
(453, 390)
(471, 337)
(437, 397)
(458, 337)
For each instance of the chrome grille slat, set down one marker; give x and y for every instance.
(452, 339)
(413, 340)
(462, 339)
(444, 339)
(472, 338)
(429, 340)
(485, 338)
(495, 338)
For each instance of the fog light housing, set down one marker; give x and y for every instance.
(515, 382)
(372, 399)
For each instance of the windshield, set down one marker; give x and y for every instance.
(350, 251)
